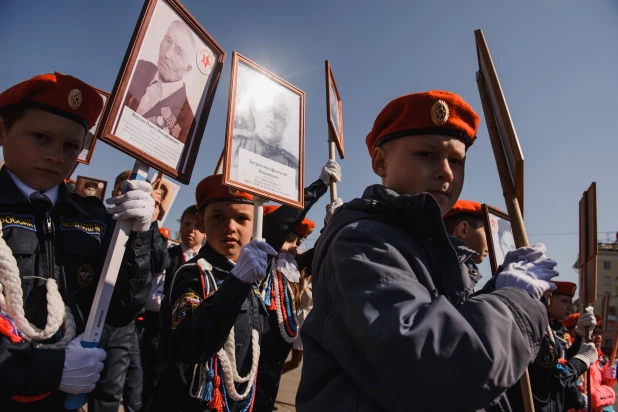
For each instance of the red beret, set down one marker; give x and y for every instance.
(571, 322)
(433, 112)
(565, 288)
(59, 94)
(211, 189)
(165, 232)
(268, 209)
(305, 228)
(464, 206)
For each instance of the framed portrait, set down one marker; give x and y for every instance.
(169, 191)
(90, 141)
(265, 137)
(499, 235)
(333, 110)
(163, 94)
(89, 186)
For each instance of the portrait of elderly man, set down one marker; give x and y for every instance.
(262, 132)
(158, 92)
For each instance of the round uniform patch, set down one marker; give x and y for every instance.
(75, 99)
(205, 60)
(439, 113)
(85, 275)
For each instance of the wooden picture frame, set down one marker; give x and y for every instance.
(333, 104)
(499, 234)
(605, 311)
(588, 246)
(502, 116)
(89, 186)
(170, 191)
(90, 140)
(169, 141)
(265, 136)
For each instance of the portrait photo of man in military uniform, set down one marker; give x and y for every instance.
(88, 186)
(158, 91)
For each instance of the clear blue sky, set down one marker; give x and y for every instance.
(556, 61)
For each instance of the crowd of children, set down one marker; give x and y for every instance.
(385, 312)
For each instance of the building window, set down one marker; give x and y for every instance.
(607, 265)
(607, 280)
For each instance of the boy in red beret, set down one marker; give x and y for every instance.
(394, 325)
(465, 222)
(217, 310)
(58, 243)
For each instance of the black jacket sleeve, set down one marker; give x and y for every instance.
(25, 370)
(134, 280)
(158, 251)
(280, 223)
(200, 327)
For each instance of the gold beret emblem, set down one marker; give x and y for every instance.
(75, 99)
(439, 113)
(233, 191)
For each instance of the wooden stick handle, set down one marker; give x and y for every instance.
(331, 156)
(512, 205)
(613, 357)
(258, 217)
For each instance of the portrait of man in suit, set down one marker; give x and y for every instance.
(158, 91)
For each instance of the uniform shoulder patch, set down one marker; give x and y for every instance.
(85, 275)
(91, 227)
(20, 221)
(184, 304)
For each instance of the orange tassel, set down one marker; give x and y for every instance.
(33, 398)
(216, 403)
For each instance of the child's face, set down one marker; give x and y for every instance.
(228, 227)
(291, 244)
(475, 239)
(560, 306)
(189, 233)
(427, 163)
(41, 148)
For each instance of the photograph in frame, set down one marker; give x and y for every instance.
(169, 191)
(90, 140)
(162, 97)
(334, 110)
(89, 186)
(265, 134)
(499, 235)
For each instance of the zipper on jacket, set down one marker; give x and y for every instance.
(49, 235)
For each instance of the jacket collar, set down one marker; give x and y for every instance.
(217, 260)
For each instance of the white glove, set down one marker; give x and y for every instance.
(82, 367)
(331, 171)
(586, 322)
(587, 353)
(609, 372)
(513, 278)
(331, 208)
(252, 261)
(136, 204)
(287, 265)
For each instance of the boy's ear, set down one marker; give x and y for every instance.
(378, 161)
(199, 222)
(461, 231)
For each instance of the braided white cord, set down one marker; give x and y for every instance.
(228, 367)
(278, 304)
(11, 301)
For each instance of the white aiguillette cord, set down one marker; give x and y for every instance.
(12, 302)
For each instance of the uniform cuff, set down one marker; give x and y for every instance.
(48, 365)
(140, 242)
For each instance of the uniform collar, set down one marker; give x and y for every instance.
(26, 190)
(215, 258)
(188, 252)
